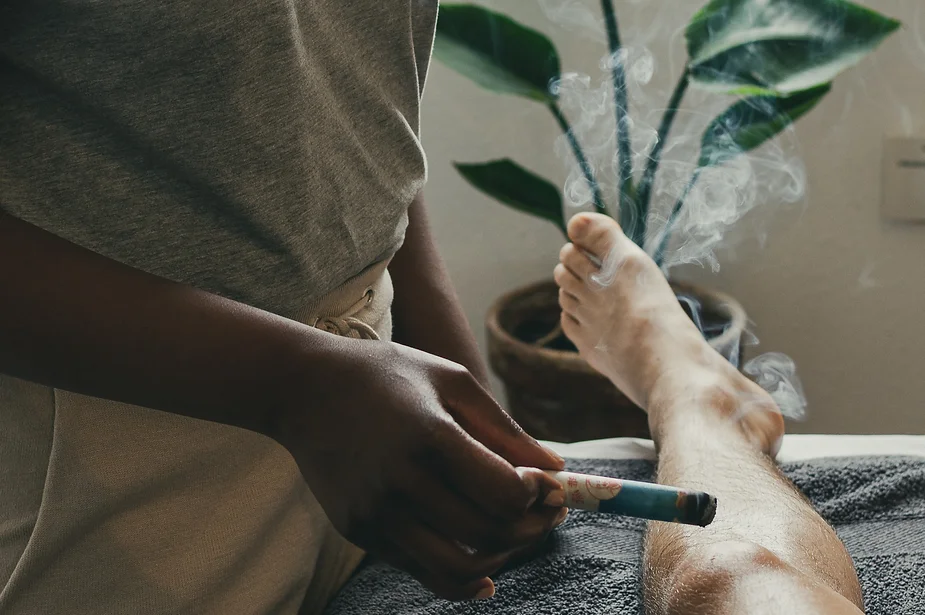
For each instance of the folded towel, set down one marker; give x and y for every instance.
(592, 566)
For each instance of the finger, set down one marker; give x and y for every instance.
(492, 484)
(546, 484)
(457, 518)
(530, 552)
(441, 587)
(483, 419)
(536, 549)
(446, 559)
(577, 262)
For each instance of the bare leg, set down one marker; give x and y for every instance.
(767, 550)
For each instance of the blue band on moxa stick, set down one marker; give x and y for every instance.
(632, 498)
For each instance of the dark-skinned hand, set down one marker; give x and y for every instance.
(414, 462)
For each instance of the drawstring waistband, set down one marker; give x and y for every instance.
(360, 308)
(347, 325)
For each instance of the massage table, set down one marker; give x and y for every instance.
(870, 488)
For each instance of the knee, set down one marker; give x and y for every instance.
(744, 577)
(711, 574)
(727, 556)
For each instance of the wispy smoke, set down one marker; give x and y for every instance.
(776, 373)
(574, 14)
(653, 54)
(772, 175)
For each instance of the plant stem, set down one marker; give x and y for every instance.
(628, 214)
(644, 194)
(583, 163)
(678, 206)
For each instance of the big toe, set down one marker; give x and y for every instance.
(594, 233)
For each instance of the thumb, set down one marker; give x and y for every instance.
(481, 417)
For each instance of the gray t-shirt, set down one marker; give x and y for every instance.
(266, 151)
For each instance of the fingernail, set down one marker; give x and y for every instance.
(560, 518)
(529, 480)
(552, 453)
(555, 498)
(486, 592)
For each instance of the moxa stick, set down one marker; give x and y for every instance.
(632, 498)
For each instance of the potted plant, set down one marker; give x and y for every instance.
(777, 57)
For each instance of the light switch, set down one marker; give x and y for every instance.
(903, 179)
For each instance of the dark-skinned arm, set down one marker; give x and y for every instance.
(75, 320)
(427, 313)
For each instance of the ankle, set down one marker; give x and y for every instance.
(689, 367)
(684, 396)
(715, 403)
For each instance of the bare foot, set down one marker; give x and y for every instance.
(626, 322)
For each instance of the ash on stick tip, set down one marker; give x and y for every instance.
(709, 512)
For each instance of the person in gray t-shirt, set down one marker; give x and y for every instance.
(197, 201)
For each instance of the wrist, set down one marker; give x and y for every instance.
(305, 365)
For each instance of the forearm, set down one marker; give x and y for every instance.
(427, 312)
(75, 320)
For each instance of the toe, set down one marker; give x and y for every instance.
(569, 303)
(594, 233)
(577, 262)
(570, 326)
(567, 280)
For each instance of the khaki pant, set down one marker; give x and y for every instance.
(112, 508)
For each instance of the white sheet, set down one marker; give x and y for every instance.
(796, 447)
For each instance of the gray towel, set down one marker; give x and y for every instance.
(592, 565)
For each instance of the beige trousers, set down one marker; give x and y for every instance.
(107, 508)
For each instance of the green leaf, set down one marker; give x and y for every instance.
(779, 46)
(496, 52)
(752, 121)
(516, 187)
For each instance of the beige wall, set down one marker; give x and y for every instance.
(831, 285)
